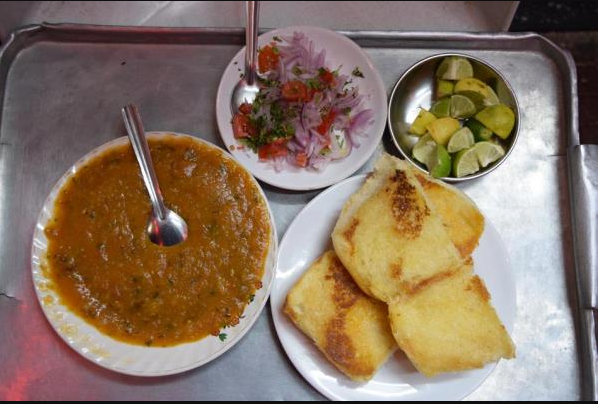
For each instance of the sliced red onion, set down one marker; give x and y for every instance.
(298, 51)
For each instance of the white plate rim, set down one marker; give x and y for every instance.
(277, 301)
(97, 356)
(369, 144)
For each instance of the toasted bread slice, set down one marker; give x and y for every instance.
(462, 218)
(449, 325)
(389, 238)
(349, 327)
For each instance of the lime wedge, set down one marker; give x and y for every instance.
(444, 88)
(462, 107)
(480, 132)
(462, 139)
(442, 108)
(500, 119)
(454, 68)
(488, 152)
(423, 149)
(440, 163)
(466, 162)
(442, 129)
(424, 118)
(479, 92)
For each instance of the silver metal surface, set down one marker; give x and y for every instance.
(247, 89)
(583, 174)
(59, 86)
(415, 90)
(469, 16)
(164, 227)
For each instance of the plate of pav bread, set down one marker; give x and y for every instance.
(394, 286)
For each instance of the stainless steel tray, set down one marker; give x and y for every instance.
(62, 87)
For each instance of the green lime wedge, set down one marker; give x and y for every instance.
(454, 68)
(466, 162)
(480, 132)
(444, 88)
(442, 129)
(488, 152)
(479, 92)
(462, 107)
(462, 139)
(442, 108)
(423, 149)
(423, 119)
(500, 119)
(440, 163)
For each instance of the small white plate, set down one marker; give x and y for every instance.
(306, 239)
(340, 51)
(126, 358)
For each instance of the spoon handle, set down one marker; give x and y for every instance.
(136, 133)
(253, 13)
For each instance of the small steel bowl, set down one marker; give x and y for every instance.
(415, 89)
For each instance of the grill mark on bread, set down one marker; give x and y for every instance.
(346, 291)
(415, 289)
(338, 345)
(396, 270)
(340, 349)
(477, 286)
(350, 233)
(406, 207)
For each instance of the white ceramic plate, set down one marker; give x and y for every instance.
(119, 356)
(306, 239)
(340, 50)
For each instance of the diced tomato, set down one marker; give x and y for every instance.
(327, 77)
(242, 127)
(301, 159)
(295, 91)
(245, 108)
(327, 121)
(267, 59)
(277, 148)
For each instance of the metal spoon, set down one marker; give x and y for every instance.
(246, 90)
(165, 227)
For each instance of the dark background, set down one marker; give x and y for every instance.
(573, 25)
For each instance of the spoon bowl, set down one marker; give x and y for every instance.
(169, 231)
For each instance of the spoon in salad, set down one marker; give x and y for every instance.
(165, 227)
(247, 89)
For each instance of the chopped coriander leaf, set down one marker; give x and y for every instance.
(276, 38)
(357, 73)
(251, 298)
(275, 50)
(296, 70)
(314, 84)
(346, 111)
(267, 82)
(222, 337)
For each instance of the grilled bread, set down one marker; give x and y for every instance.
(388, 236)
(460, 215)
(449, 325)
(349, 327)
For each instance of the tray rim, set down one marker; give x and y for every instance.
(29, 35)
(174, 35)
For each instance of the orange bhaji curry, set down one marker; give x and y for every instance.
(106, 270)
